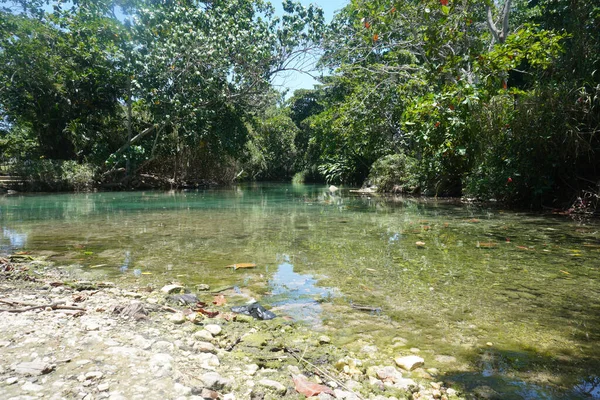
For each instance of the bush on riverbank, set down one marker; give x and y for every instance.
(55, 175)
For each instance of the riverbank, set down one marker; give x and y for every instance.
(64, 337)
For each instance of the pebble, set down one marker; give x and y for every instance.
(213, 329)
(177, 318)
(213, 380)
(204, 347)
(12, 380)
(103, 387)
(203, 335)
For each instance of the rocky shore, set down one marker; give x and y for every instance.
(62, 337)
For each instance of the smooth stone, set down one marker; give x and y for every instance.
(409, 363)
(181, 389)
(414, 350)
(207, 360)
(271, 384)
(405, 384)
(203, 287)
(33, 368)
(168, 289)
(177, 318)
(12, 380)
(213, 329)
(205, 347)
(389, 374)
(203, 335)
(103, 387)
(214, 381)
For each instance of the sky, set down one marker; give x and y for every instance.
(295, 80)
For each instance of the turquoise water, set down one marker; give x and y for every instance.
(514, 297)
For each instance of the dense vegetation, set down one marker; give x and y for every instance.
(472, 97)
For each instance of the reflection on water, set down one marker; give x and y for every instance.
(297, 294)
(449, 278)
(16, 240)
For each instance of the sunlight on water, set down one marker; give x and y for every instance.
(512, 296)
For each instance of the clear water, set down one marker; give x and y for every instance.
(515, 297)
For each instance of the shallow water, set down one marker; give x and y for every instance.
(514, 297)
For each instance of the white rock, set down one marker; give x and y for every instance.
(206, 360)
(91, 326)
(171, 288)
(251, 369)
(177, 318)
(12, 380)
(409, 363)
(389, 374)
(405, 384)
(103, 387)
(163, 345)
(181, 389)
(213, 329)
(205, 347)
(213, 380)
(94, 375)
(203, 335)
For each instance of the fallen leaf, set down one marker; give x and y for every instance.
(219, 300)
(565, 272)
(241, 265)
(307, 388)
(209, 314)
(486, 245)
(420, 244)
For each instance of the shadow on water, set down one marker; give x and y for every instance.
(539, 376)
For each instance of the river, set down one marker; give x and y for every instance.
(505, 304)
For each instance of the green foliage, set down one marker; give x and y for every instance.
(271, 148)
(394, 173)
(52, 175)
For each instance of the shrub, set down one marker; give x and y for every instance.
(394, 173)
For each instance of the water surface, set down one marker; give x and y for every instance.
(514, 297)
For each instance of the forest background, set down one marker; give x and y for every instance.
(477, 98)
